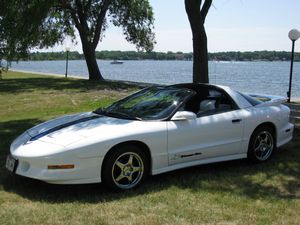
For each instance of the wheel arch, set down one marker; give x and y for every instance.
(266, 124)
(140, 144)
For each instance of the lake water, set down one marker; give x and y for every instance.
(258, 77)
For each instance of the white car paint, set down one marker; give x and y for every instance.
(206, 137)
(211, 138)
(87, 153)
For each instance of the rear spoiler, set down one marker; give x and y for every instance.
(268, 100)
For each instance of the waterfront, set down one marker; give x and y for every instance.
(258, 77)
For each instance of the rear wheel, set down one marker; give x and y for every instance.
(262, 144)
(125, 168)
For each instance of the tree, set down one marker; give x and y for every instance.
(197, 13)
(25, 25)
(43, 23)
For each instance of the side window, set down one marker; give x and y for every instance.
(216, 102)
(191, 105)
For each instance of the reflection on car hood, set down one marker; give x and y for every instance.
(69, 129)
(43, 127)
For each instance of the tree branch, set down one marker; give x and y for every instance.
(72, 11)
(193, 12)
(205, 9)
(99, 22)
(87, 5)
(82, 18)
(199, 3)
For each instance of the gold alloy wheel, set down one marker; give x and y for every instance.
(263, 145)
(127, 170)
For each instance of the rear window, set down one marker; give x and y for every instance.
(250, 99)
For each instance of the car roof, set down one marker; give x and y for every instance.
(203, 88)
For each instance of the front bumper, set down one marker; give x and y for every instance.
(33, 158)
(86, 170)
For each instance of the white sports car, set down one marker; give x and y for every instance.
(155, 130)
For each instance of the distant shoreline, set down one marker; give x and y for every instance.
(133, 55)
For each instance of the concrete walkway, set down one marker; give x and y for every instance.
(49, 74)
(295, 100)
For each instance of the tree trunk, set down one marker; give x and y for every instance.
(88, 46)
(91, 62)
(200, 56)
(200, 59)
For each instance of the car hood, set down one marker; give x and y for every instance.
(82, 131)
(72, 128)
(43, 127)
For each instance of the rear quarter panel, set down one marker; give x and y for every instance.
(278, 115)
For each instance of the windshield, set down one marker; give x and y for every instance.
(153, 103)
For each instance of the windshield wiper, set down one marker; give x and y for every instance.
(99, 111)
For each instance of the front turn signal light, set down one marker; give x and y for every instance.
(61, 167)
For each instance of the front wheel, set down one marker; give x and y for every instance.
(125, 168)
(262, 144)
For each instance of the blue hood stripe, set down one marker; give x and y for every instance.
(40, 135)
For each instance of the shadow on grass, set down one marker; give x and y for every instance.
(278, 178)
(28, 84)
(9, 130)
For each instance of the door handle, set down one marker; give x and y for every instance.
(236, 120)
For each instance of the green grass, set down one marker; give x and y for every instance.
(236, 192)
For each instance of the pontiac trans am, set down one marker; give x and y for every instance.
(157, 129)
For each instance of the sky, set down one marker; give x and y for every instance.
(231, 25)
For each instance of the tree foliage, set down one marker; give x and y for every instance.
(131, 14)
(26, 24)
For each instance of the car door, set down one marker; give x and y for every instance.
(205, 137)
(210, 135)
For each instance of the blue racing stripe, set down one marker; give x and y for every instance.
(36, 137)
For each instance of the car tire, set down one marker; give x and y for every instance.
(126, 167)
(262, 144)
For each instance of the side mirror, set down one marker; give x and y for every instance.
(184, 115)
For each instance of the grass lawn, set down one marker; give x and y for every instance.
(235, 192)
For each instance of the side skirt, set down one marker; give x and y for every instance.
(199, 162)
